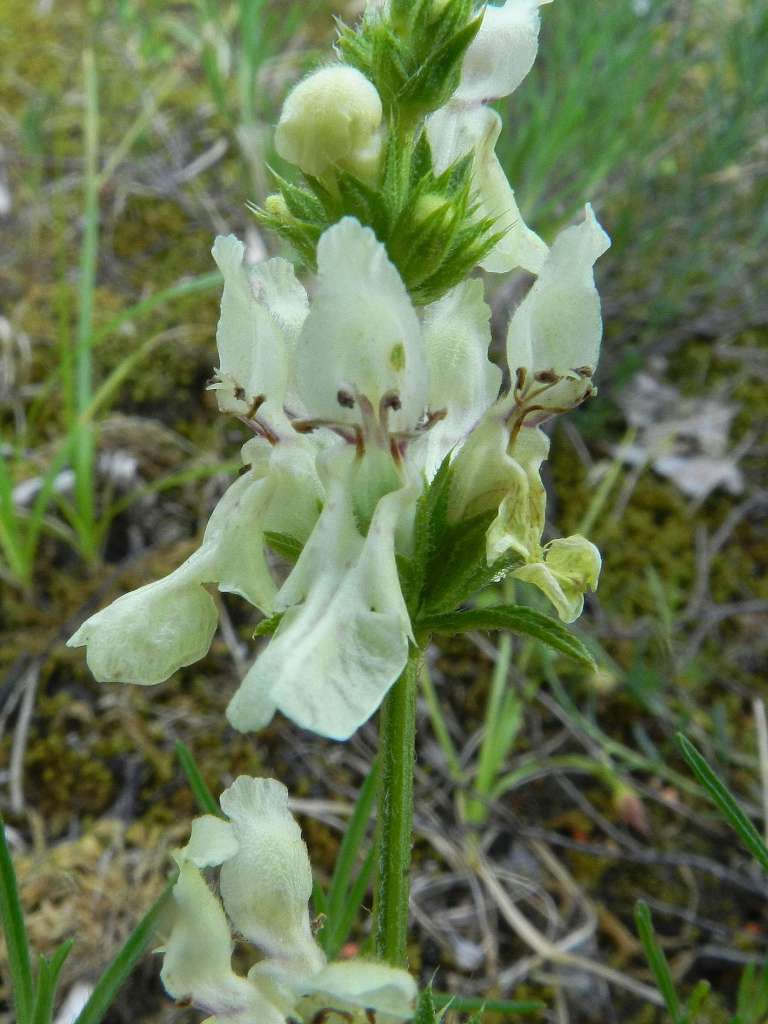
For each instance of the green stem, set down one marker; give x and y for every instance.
(394, 826)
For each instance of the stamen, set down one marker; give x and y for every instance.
(389, 401)
(255, 405)
(397, 449)
(430, 418)
(350, 432)
(322, 1016)
(345, 399)
(260, 428)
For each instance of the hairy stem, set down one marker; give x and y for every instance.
(394, 826)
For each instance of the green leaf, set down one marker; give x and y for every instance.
(426, 1011)
(16, 940)
(725, 801)
(113, 979)
(47, 983)
(657, 961)
(458, 555)
(268, 626)
(518, 619)
(284, 545)
(205, 799)
(484, 574)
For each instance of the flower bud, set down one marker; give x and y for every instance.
(332, 119)
(428, 206)
(276, 206)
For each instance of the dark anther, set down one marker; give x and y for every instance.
(319, 923)
(546, 377)
(240, 393)
(304, 426)
(345, 400)
(370, 1016)
(520, 377)
(584, 371)
(255, 405)
(391, 400)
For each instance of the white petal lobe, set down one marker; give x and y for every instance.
(362, 335)
(502, 53)
(267, 884)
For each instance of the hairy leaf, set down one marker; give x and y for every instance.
(518, 619)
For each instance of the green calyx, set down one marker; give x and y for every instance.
(412, 52)
(427, 222)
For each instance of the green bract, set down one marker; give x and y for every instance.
(265, 880)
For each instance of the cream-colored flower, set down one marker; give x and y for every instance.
(568, 568)
(265, 881)
(343, 639)
(146, 635)
(498, 59)
(554, 337)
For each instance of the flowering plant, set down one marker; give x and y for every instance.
(388, 464)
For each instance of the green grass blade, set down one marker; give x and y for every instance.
(84, 447)
(350, 844)
(205, 799)
(724, 800)
(112, 980)
(502, 720)
(752, 996)
(319, 899)
(47, 983)
(657, 961)
(518, 619)
(696, 1001)
(10, 538)
(16, 940)
(341, 925)
(194, 286)
(41, 1011)
(345, 893)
